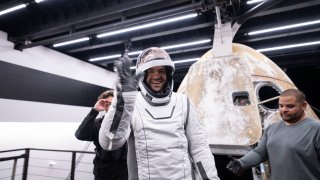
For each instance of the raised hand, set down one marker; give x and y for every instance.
(101, 104)
(128, 81)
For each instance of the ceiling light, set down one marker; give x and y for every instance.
(186, 44)
(165, 47)
(177, 61)
(147, 25)
(134, 53)
(254, 1)
(175, 46)
(186, 60)
(39, 1)
(13, 9)
(71, 42)
(284, 27)
(289, 46)
(105, 57)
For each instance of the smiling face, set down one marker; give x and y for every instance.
(156, 77)
(291, 110)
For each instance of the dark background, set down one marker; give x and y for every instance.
(55, 21)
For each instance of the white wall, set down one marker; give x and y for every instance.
(50, 61)
(27, 124)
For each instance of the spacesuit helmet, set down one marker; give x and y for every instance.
(153, 57)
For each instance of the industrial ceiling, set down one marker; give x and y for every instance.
(55, 21)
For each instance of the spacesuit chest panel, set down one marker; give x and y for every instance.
(161, 144)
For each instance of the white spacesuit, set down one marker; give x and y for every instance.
(165, 138)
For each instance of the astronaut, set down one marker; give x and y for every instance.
(165, 138)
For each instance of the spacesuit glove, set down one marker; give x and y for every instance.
(234, 167)
(128, 81)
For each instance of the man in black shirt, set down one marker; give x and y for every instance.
(108, 165)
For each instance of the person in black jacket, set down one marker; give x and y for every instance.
(108, 165)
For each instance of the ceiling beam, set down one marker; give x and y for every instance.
(288, 8)
(86, 20)
(109, 27)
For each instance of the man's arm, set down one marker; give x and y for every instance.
(317, 141)
(252, 159)
(85, 130)
(257, 155)
(199, 147)
(115, 128)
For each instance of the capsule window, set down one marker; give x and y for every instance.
(267, 92)
(241, 99)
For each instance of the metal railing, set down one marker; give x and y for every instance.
(26, 157)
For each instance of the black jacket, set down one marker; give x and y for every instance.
(107, 164)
